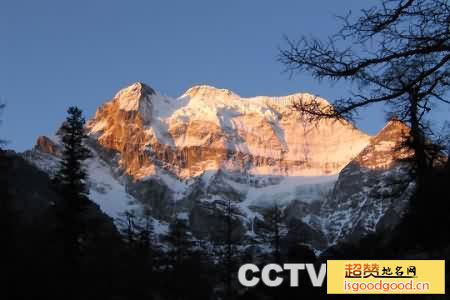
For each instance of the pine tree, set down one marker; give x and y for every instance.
(2, 106)
(8, 219)
(230, 247)
(180, 242)
(71, 182)
(227, 247)
(138, 233)
(181, 261)
(72, 175)
(8, 224)
(6, 211)
(273, 234)
(142, 255)
(127, 227)
(146, 235)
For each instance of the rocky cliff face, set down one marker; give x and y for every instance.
(210, 129)
(185, 157)
(44, 144)
(372, 191)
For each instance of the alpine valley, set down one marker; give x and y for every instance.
(187, 157)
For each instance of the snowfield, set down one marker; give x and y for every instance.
(187, 156)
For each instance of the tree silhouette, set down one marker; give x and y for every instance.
(8, 221)
(180, 243)
(396, 54)
(138, 233)
(273, 232)
(226, 248)
(2, 107)
(72, 175)
(71, 182)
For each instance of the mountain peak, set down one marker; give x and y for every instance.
(209, 127)
(395, 129)
(130, 98)
(137, 87)
(208, 91)
(386, 147)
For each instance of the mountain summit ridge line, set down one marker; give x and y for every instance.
(209, 122)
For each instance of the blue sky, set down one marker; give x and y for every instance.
(54, 54)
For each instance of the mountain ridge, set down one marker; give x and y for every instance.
(185, 157)
(209, 118)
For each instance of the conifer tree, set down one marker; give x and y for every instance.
(227, 247)
(71, 181)
(8, 216)
(8, 222)
(146, 235)
(230, 246)
(2, 106)
(180, 242)
(5, 200)
(138, 232)
(273, 234)
(72, 175)
(181, 261)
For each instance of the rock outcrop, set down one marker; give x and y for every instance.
(187, 157)
(44, 144)
(373, 190)
(209, 128)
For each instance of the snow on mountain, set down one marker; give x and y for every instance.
(105, 190)
(185, 157)
(373, 190)
(209, 128)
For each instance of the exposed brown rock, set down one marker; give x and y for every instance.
(46, 145)
(186, 148)
(125, 134)
(386, 147)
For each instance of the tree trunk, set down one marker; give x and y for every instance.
(417, 144)
(229, 251)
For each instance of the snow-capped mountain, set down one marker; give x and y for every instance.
(183, 157)
(210, 129)
(373, 190)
